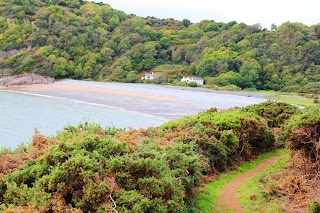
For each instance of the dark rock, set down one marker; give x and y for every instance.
(25, 79)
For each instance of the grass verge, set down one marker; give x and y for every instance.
(293, 100)
(252, 193)
(206, 200)
(289, 97)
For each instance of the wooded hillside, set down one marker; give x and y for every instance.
(82, 40)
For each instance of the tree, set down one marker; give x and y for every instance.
(107, 55)
(186, 22)
(162, 79)
(212, 26)
(250, 74)
(78, 72)
(165, 42)
(215, 62)
(228, 78)
(273, 27)
(100, 38)
(149, 55)
(132, 77)
(60, 67)
(113, 23)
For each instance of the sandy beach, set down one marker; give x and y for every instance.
(46, 88)
(156, 100)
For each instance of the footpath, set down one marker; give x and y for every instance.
(228, 198)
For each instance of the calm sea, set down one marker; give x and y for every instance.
(20, 114)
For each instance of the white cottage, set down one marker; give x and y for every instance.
(149, 76)
(198, 80)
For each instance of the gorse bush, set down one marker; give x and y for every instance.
(96, 171)
(91, 169)
(275, 113)
(303, 132)
(224, 136)
(66, 172)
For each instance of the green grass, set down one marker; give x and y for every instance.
(206, 200)
(292, 100)
(288, 97)
(255, 187)
(272, 92)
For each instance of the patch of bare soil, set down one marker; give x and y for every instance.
(228, 198)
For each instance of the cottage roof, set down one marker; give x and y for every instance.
(151, 75)
(193, 78)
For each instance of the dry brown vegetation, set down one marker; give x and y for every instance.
(297, 185)
(10, 162)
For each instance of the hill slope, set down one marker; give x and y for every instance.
(77, 39)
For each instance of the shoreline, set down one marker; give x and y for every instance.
(43, 88)
(192, 89)
(168, 102)
(223, 92)
(75, 87)
(84, 102)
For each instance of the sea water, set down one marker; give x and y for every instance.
(20, 114)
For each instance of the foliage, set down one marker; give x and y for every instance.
(224, 79)
(193, 84)
(93, 169)
(87, 40)
(275, 113)
(312, 87)
(224, 136)
(303, 132)
(314, 207)
(92, 173)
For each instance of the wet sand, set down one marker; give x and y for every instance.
(164, 101)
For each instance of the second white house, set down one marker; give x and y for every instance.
(187, 79)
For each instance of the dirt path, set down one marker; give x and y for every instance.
(228, 198)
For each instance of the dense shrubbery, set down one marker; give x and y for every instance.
(154, 170)
(275, 113)
(303, 132)
(225, 136)
(97, 170)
